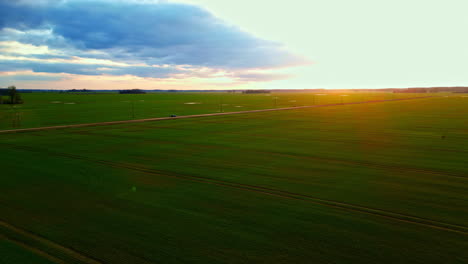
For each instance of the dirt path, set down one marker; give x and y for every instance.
(44, 247)
(194, 116)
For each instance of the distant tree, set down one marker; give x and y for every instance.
(78, 91)
(133, 91)
(255, 91)
(15, 97)
(3, 92)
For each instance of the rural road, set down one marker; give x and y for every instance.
(194, 116)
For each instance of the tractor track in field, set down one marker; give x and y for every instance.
(71, 255)
(345, 141)
(21, 130)
(266, 190)
(398, 168)
(33, 250)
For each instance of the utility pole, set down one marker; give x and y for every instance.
(13, 116)
(18, 119)
(221, 104)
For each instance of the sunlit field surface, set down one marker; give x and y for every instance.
(49, 109)
(369, 183)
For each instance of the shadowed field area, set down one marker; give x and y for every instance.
(370, 183)
(12, 252)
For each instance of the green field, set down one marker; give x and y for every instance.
(369, 183)
(11, 252)
(49, 109)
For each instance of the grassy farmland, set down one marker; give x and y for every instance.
(11, 252)
(49, 109)
(369, 183)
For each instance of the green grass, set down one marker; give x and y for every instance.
(48, 109)
(11, 252)
(203, 186)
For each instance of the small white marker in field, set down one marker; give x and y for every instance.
(192, 103)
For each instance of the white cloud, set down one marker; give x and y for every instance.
(72, 60)
(25, 49)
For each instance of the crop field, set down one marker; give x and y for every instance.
(379, 182)
(11, 252)
(49, 109)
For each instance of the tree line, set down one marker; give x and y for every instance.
(12, 96)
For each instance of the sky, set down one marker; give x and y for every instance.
(242, 44)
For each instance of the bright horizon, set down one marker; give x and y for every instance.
(213, 44)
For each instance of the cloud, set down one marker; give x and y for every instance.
(32, 77)
(14, 47)
(261, 77)
(84, 66)
(7, 78)
(151, 32)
